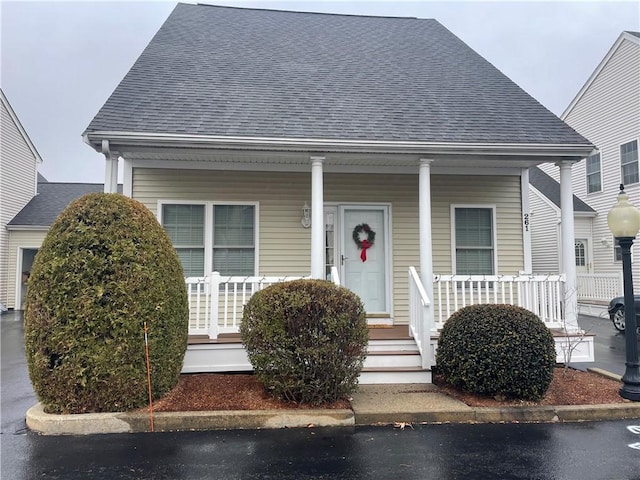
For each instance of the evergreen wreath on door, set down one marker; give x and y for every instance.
(363, 243)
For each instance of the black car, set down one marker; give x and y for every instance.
(616, 312)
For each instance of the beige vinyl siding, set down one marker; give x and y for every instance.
(17, 186)
(545, 240)
(19, 239)
(608, 114)
(285, 247)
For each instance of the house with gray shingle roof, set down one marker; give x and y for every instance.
(380, 152)
(606, 110)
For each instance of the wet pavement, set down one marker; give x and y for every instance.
(590, 450)
(609, 345)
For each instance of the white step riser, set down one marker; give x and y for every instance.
(230, 357)
(368, 378)
(392, 348)
(384, 361)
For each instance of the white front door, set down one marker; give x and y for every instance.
(366, 274)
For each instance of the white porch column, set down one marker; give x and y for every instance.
(111, 169)
(568, 247)
(526, 220)
(426, 248)
(317, 218)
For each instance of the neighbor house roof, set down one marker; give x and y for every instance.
(635, 34)
(234, 72)
(51, 199)
(550, 188)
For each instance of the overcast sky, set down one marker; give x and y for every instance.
(61, 60)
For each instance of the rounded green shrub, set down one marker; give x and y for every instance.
(105, 267)
(497, 350)
(306, 339)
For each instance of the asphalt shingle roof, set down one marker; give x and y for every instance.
(51, 199)
(550, 188)
(258, 73)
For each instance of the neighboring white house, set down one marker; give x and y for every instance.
(233, 120)
(28, 228)
(19, 162)
(545, 219)
(606, 111)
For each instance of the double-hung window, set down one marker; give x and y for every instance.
(185, 226)
(212, 236)
(474, 240)
(233, 239)
(629, 163)
(594, 177)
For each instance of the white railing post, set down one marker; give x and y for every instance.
(214, 286)
(420, 318)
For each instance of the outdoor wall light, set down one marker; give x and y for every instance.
(306, 216)
(624, 223)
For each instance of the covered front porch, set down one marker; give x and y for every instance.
(400, 353)
(439, 214)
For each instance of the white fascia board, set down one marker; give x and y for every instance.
(43, 228)
(333, 145)
(623, 36)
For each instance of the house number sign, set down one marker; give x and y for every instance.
(526, 222)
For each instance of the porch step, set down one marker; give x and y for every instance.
(393, 358)
(370, 376)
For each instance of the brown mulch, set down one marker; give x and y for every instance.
(201, 392)
(228, 391)
(568, 387)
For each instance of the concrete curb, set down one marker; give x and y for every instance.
(137, 422)
(544, 414)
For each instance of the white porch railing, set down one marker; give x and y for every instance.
(541, 294)
(598, 287)
(216, 302)
(420, 317)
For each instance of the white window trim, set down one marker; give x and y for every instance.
(586, 172)
(637, 140)
(208, 227)
(452, 221)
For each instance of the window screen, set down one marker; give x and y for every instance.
(233, 239)
(629, 162)
(185, 226)
(474, 241)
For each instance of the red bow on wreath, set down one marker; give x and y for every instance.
(365, 243)
(363, 254)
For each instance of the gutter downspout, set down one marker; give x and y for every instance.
(111, 169)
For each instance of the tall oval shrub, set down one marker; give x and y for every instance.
(105, 267)
(306, 339)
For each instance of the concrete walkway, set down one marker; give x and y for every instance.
(399, 405)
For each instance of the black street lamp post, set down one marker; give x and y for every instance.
(624, 222)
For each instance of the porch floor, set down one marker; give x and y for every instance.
(392, 332)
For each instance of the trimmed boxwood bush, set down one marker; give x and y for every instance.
(497, 350)
(105, 267)
(306, 339)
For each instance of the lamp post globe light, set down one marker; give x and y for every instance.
(624, 223)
